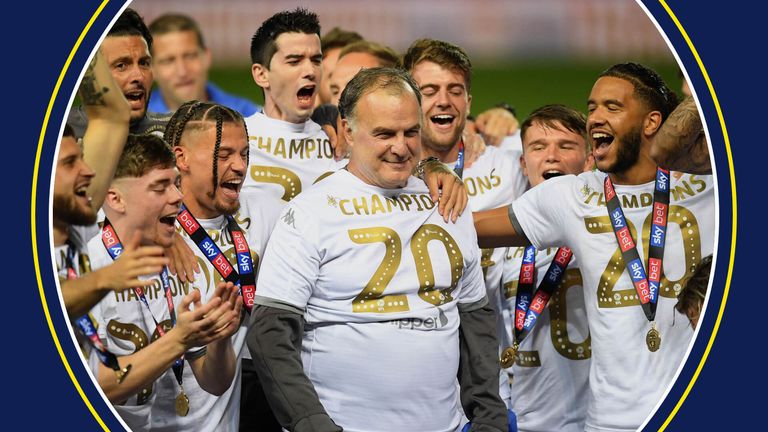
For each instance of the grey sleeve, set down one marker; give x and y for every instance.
(274, 340)
(516, 224)
(479, 370)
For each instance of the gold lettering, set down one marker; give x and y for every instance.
(360, 204)
(310, 147)
(483, 184)
(343, 209)
(629, 201)
(377, 205)
(646, 199)
(681, 189)
(469, 183)
(427, 201)
(418, 204)
(495, 179)
(266, 147)
(406, 201)
(698, 182)
(296, 148)
(327, 149)
(280, 148)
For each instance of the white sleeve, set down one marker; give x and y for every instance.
(542, 211)
(291, 263)
(472, 283)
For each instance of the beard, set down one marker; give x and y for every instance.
(66, 209)
(224, 208)
(627, 154)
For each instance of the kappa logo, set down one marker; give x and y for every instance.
(289, 218)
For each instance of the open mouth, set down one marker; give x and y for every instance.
(305, 94)
(442, 119)
(232, 185)
(551, 174)
(135, 95)
(169, 220)
(601, 140)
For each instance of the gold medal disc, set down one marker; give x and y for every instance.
(182, 404)
(508, 357)
(653, 339)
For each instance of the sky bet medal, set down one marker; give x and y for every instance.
(529, 306)
(182, 404)
(508, 356)
(648, 284)
(653, 339)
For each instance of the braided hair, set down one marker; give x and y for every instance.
(196, 115)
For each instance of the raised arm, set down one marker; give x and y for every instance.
(680, 144)
(108, 120)
(495, 229)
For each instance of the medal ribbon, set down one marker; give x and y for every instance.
(527, 310)
(115, 248)
(85, 322)
(459, 167)
(646, 285)
(246, 279)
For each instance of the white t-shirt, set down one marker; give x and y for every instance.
(513, 146)
(549, 378)
(126, 326)
(287, 158)
(78, 237)
(381, 352)
(626, 379)
(257, 216)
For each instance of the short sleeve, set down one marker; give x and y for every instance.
(291, 263)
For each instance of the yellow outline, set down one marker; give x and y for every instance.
(34, 198)
(733, 235)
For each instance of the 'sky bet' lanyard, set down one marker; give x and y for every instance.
(88, 328)
(115, 248)
(527, 311)
(646, 285)
(246, 279)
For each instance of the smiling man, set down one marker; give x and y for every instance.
(165, 325)
(640, 232)
(367, 294)
(443, 72)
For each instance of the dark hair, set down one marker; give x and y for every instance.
(263, 43)
(174, 23)
(691, 298)
(141, 154)
(69, 131)
(130, 23)
(386, 56)
(366, 81)
(649, 86)
(556, 116)
(445, 54)
(197, 112)
(338, 38)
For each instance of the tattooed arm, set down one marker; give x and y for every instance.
(680, 143)
(108, 117)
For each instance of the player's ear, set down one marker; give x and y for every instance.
(181, 158)
(115, 199)
(523, 166)
(346, 129)
(260, 75)
(651, 123)
(469, 104)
